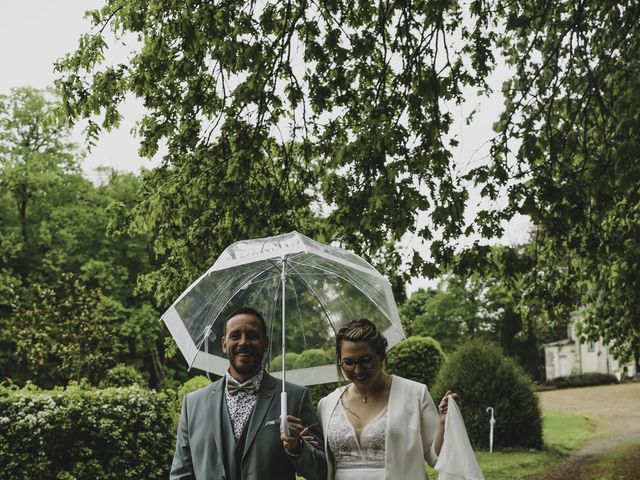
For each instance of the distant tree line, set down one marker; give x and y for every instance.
(70, 308)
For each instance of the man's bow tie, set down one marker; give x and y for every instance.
(233, 387)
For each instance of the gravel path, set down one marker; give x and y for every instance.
(615, 412)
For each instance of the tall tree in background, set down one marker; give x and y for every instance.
(452, 313)
(492, 303)
(322, 116)
(68, 305)
(35, 156)
(331, 117)
(567, 156)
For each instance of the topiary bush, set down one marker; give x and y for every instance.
(484, 377)
(191, 385)
(416, 358)
(313, 358)
(85, 433)
(275, 365)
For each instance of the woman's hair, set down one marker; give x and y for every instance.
(362, 330)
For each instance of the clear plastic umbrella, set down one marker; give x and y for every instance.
(303, 288)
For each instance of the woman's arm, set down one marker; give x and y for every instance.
(429, 427)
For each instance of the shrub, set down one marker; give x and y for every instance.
(291, 359)
(583, 380)
(123, 375)
(313, 358)
(85, 433)
(484, 377)
(191, 385)
(416, 358)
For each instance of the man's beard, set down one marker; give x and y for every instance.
(253, 366)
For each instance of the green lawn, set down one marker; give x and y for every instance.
(562, 433)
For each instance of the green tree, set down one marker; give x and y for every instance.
(54, 223)
(65, 334)
(566, 156)
(489, 303)
(451, 313)
(287, 112)
(298, 110)
(35, 158)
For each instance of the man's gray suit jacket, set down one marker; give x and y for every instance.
(199, 449)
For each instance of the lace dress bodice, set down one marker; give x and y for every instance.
(347, 451)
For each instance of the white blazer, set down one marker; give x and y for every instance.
(412, 424)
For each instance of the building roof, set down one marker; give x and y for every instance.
(560, 343)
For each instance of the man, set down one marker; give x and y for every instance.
(231, 429)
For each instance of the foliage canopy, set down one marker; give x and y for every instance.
(333, 118)
(275, 114)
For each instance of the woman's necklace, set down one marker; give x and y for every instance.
(364, 400)
(375, 392)
(344, 405)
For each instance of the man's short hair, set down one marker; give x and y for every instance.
(248, 311)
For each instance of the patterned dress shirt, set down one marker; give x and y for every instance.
(241, 404)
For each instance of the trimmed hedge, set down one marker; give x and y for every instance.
(416, 358)
(583, 380)
(84, 433)
(483, 376)
(291, 359)
(309, 358)
(314, 357)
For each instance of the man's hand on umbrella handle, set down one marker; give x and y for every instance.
(293, 442)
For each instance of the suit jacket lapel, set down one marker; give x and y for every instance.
(216, 399)
(266, 394)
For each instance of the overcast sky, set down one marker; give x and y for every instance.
(35, 33)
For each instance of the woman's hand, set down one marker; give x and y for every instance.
(310, 439)
(443, 408)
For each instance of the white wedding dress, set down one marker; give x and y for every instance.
(361, 460)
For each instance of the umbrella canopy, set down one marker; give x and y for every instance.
(319, 287)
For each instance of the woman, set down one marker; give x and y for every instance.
(378, 426)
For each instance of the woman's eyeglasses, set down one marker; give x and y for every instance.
(349, 364)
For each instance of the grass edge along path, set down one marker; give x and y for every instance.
(563, 433)
(619, 463)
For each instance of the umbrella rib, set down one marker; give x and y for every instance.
(274, 265)
(223, 307)
(304, 337)
(216, 292)
(329, 273)
(312, 290)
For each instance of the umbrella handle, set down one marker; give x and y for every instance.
(284, 425)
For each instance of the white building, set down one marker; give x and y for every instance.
(572, 356)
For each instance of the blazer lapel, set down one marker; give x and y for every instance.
(329, 405)
(216, 399)
(266, 394)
